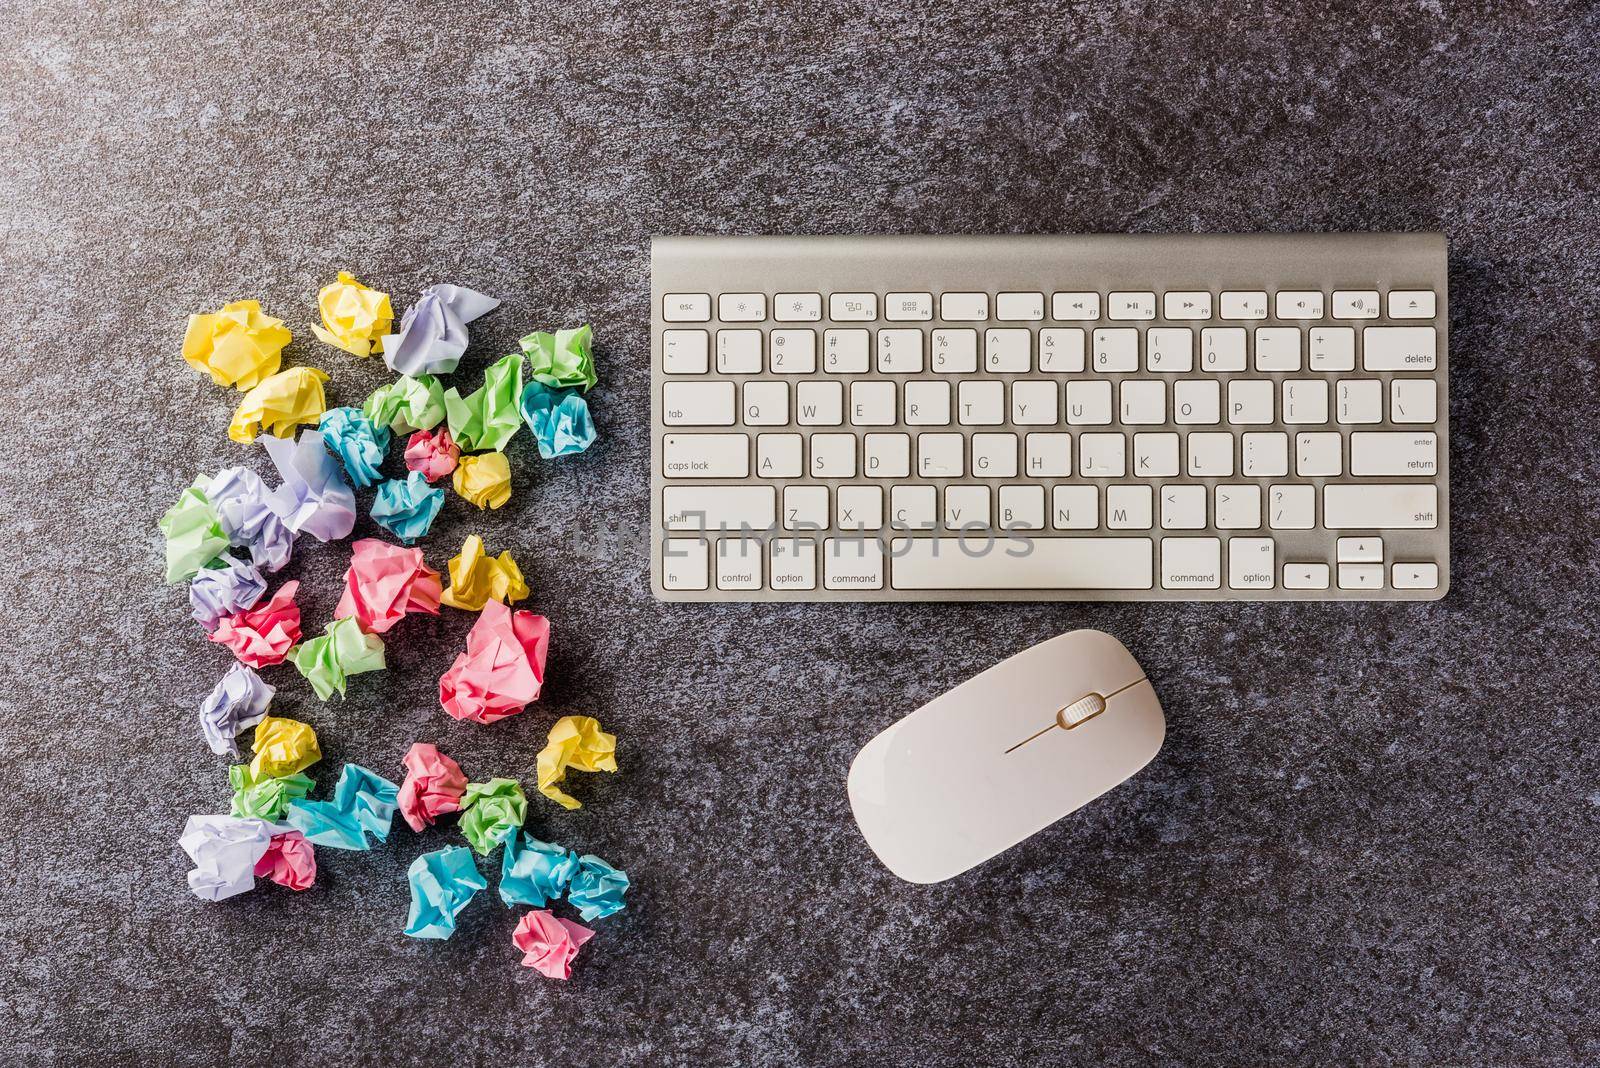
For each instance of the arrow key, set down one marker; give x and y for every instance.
(1414, 576)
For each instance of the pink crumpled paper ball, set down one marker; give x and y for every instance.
(549, 943)
(433, 452)
(263, 635)
(289, 861)
(386, 582)
(502, 669)
(433, 786)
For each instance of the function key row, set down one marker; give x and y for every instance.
(1132, 306)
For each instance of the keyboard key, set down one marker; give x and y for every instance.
(766, 404)
(1048, 455)
(994, 455)
(1021, 507)
(1075, 307)
(719, 507)
(1244, 305)
(1318, 455)
(886, 455)
(1222, 349)
(1277, 348)
(739, 352)
(1129, 507)
(1155, 455)
(1116, 349)
(1008, 350)
(742, 307)
(1102, 455)
(927, 404)
(1305, 576)
(1061, 349)
(1380, 507)
(1035, 403)
(1186, 304)
(1143, 402)
(900, 351)
(1411, 304)
(1360, 550)
(1333, 348)
(739, 563)
(983, 563)
(1131, 305)
(793, 563)
(852, 564)
(872, 404)
(1250, 564)
(941, 455)
(955, 351)
(1414, 576)
(1305, 400)
(1413, 400)
(913, 507)
(845, 351)
(779, 455)
(1249, 401)
(1088, 403)
(705, 456)
(1265, 455)
(794, 352)
(1299, 304)
(685, 564)
(1237, 507)
(685, 352)
(686, 308)
(1361, 576)
(964, 307)
(1197, 401)
(1292, 507)
(860, 507)
(966, 507)
(819, 403)
(908, 307)
(1019, 307)
(1075, 507)
(1360, 400)
(852, 307)
(1399, 348)
(981, 403)
(1191, 563)
(1394, 453)
(833, 456)
(806, 508)
(697, 403)
(1183, 507)
(1169, 349)
(797, 307)
(1355, 304)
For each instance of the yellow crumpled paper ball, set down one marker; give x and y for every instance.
(282, 747)
(354, 318)
(575, 742)
(279, 404)
(238, 346)
(476, 578)
(484, 479)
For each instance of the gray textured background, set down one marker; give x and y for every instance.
(1371, 835)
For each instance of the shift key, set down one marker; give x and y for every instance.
(719, 507)
(1369, 506)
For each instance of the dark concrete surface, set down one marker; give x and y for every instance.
(1371, 837)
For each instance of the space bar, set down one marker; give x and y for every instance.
(1031, 564)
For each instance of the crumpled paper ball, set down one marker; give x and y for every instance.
(280, 403)
(502, 669)
(289, 861)
(434, 786)
(558, 418)
(262, 636)
(384, 583)
(549, 943)
(218, 592)
(432, 454)
(239, 346)
(354, 318)
(564, 358)
(484, 480)
(357, 441)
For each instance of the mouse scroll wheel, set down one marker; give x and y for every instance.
(1080, 710)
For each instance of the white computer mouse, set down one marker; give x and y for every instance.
(1004, 755)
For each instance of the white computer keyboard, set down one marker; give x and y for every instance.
(1247, 417)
